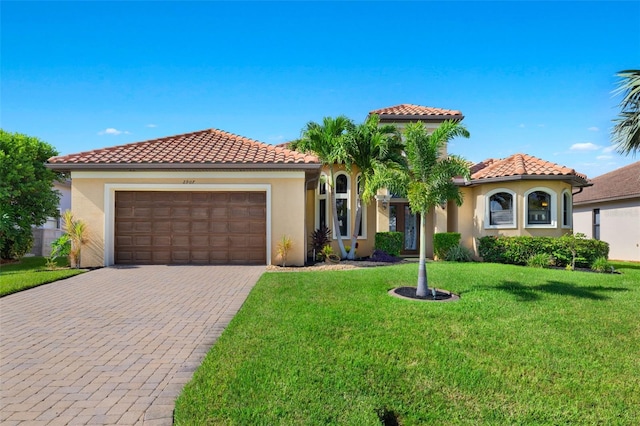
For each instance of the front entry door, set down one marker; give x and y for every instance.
(402, 219)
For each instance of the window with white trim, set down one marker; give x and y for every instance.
(566, 209)
(322, 203)
(59, 219)
(500, 209)
(362, 226)
(342, 189)
(540, 208)
(596, 224)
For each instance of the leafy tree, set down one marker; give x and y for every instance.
(431, 177)
(377, 152)
(326, 141)
(27, 197)
(626, 132)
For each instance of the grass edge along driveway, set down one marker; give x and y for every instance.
(522, 346)
(30, 272)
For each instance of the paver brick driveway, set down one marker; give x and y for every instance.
(115, 345)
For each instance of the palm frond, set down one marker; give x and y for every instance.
(626, 131)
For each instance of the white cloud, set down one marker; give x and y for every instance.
(586, 146)
(522, 126)
(604, 157)
(151, 125)
(112, 131)
(593, 129)
(608, 149)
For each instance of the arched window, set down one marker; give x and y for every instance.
(322, 203)
(500, 211)
(567, 212)
(362, 226)
(540, 208)
(342, 188)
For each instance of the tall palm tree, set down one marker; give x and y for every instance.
(377, 152)
(326, 141)
(626, 132)
(431, 177)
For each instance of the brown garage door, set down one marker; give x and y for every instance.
(161, 227)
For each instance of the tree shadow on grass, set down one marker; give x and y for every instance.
(532, 293)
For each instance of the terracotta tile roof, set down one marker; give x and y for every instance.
(416, 111)
(618, 184)
(519, 165)
(205, 147)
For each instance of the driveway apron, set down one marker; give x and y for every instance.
(115, 345)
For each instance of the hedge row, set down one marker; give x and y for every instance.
(517, 250)
(443, 242)
(389, 242)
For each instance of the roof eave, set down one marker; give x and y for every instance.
(410, 118)
(575, 181)
(183, 166)
(606, 200)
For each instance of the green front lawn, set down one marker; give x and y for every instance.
(522, 346)
(30, 272)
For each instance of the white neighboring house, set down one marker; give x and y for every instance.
(610, 211)
(44, 235)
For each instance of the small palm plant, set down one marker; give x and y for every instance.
(284, 246)
(78, 234)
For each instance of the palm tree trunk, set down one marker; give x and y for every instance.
(336, 225)
(354, 236)
(423, 284)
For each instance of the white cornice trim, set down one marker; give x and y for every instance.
(229, 174)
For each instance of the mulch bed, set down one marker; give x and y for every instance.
(410, 293)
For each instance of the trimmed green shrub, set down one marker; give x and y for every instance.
(389, 242)
(565, 250)
(443, 242)
(459, 254)
(540, 260)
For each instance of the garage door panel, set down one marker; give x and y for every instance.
(239, 212)
(180, 226)
(140, 227)
(219, 213)
(143, 240)
(181, 197)
(200, 227)
(181, 212)
(162, 212)
(257, 241)
(124, 227)
(162, 240)
(200, 241)
(141, 256)
(219, 227)
(166, 227)
(237, 228)
(124, 212)
(124, 240)
(221, 241)
(180, 241)
(200, 212)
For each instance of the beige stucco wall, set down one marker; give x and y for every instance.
(619, 226)
(285, 203)
(470, 221)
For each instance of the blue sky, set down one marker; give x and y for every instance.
(531, 77)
